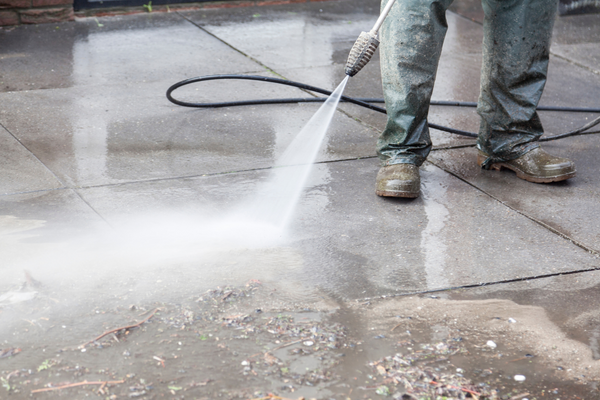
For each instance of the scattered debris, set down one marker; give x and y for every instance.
(9, 352)
(137, 394)
(423, 373)
(70, 385)
(123, 328)
(289, 349)
(5, 384)
(230, 294)
(160, 360)
(47, 364)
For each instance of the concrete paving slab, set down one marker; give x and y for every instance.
(37, 56)
(284, 40)
(577, 39)
(56, 210)
(450, 237)
(586, 54)
(85, 147)
(558, 205)
(118, 133)
(21, 170)
(33, 227)
(570, 86)
(577, 29)
(563, 297)
(354, 244)
(569, 207)
(111, 50)
(470, 9)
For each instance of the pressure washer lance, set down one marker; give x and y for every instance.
(366, 44)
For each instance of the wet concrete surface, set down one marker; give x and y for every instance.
(111, 196)
(560, 206)
(90, 143)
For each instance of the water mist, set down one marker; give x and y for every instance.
(162, 255)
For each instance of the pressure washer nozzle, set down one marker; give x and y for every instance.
(361, 53)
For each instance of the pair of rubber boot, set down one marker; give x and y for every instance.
(403, 180)
(516, 48)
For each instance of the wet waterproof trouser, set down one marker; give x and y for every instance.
(516, 46)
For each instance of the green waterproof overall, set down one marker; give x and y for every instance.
(516, 46)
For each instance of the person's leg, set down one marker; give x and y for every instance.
(411, 43)
(516, 48)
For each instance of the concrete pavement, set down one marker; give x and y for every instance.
(90, 146)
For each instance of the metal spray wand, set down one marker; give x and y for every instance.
(366, 44)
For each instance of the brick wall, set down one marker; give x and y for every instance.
(15, 12)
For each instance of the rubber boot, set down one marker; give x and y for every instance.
(399, 180)
(411, 43)
(535, 166)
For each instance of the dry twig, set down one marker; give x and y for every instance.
(159, 360)
(119, 329)
(70, 385)
(400, 324)
(528, 357)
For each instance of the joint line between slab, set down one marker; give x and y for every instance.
(269, 69)
(91, 207)
(242, 171)
(482, 284)
(36, 157)
(575, 63)
(178, 177)
(229, 45)
(531, 218)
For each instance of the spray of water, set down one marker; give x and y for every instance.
(275, 202)
(154, 255)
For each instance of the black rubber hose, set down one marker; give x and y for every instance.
(363, 102)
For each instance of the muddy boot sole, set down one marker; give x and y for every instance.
(387, 193)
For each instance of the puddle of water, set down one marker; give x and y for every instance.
(574, 311)
(238, 342)
(420, 340)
